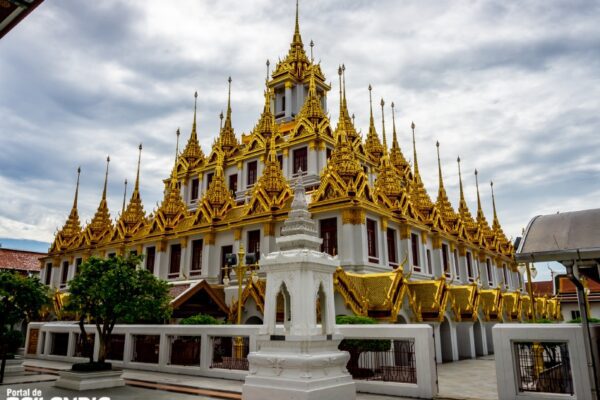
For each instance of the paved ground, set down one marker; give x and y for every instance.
(468, 379)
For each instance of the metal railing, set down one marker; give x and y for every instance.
(543, 367)
(185, 350)
(392, 361)
(224, 353)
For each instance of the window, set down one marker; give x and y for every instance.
(280, 160)
(520, 280)
(505, 273)
(196, 268)
(469, 266)
(414, 247)
(150, 256)
(133, 253)
(300, 160)
(575, 314)
(209, 178)
(391, 247)
(112, 255)
(488, 267)
(328, 232)
(48, 276)
(78, 262)
(446, 260)
(195, 187)
(328, 153)
(64, 273)
(372, 240)
(175, 260)
(456, 265)
(233, 184)
(254, 243)
(282, 103)
(429, 266)
(252, 166)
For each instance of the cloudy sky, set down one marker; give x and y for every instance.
(511, 87)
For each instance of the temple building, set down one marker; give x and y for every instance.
(406, 256)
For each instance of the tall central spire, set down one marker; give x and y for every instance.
(227, 135)
(105, 179)
(373, 146)
(396, 157)
(297, 38)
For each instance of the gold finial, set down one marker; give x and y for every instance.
(371, 102)
(416, 164)
(221, 117)
(479, 209)
(395, 138)
(312, 44)
(383, 126)
(105, 178)
(195, 103)
(229, 98)
(297, 27)
(137, 175)
(268, 64)
(77, 188)
(460, 184)
(124, 197)
(177, 145)
(494, 202)
(344, 81)
(353, 119)
(441, 181)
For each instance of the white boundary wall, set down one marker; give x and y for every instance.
(426, 386)
(506, 335)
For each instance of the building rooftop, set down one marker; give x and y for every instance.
(561, 237)
(543, 288)
(20, 260)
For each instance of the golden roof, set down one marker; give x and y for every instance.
(447, 213)
(296, 62)
(217, 200)
(100, 227)
(228, 142)
(428, 299)
(464, 301)
(134, 216)
(491, 304)
(396, 156)
(171, 211)
(418, 194)
(463, 210)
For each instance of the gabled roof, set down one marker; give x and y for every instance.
(20, 260)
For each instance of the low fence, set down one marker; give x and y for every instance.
(542, 361)
(402, 362)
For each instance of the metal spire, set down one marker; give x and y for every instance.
(416, 164)
(77, 188)
(124, 197)
(105, 178)
(383, 127)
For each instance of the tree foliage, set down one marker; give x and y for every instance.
(21, 298)
(200, 319)
(111, 290)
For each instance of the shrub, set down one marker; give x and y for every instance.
(200, 319)
(14, 340)
(590, 320)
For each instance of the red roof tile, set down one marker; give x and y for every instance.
(176, 290)
(566, 286)
(542, 288)
(20, 260)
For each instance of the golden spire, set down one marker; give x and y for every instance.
(496, 223)
(101, 222)
(72, 226)
(193, 152)
(296, 61)
(463, 208)
(217, 194)
(480, 214)
(385, 148)
(344, 121)
(418, 192)
(227, 135)
(311, 108)
(266, 127)
(442, 202)
(134, 213)
(373, 146)
(396, 157)
(272, 179)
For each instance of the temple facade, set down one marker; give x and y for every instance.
(406, 256)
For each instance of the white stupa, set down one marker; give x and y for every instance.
(300, 360)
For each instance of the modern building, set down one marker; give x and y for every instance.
(406, 256)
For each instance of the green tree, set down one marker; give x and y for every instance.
(21, 298)
(200, 319)
(111, 290)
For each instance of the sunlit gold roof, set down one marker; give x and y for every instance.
(72, 227)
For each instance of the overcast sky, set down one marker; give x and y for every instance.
(511, 87)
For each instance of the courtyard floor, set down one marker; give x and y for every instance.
(467, 379)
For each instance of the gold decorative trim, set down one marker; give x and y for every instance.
(353, 216)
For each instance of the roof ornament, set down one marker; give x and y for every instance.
(416, 164)
(105, 178)
(124, 196)
(76, 189)
(268, 65)
(221, 118)
(177, 145)
(195, 103)
(312, 44)
(383, 127)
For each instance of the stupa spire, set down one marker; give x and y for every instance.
(480, 214)
(76, 190)
(227, 135)
(385, 148)
(193, 152)
(124, 196)
(105, 179)
(373, 146)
